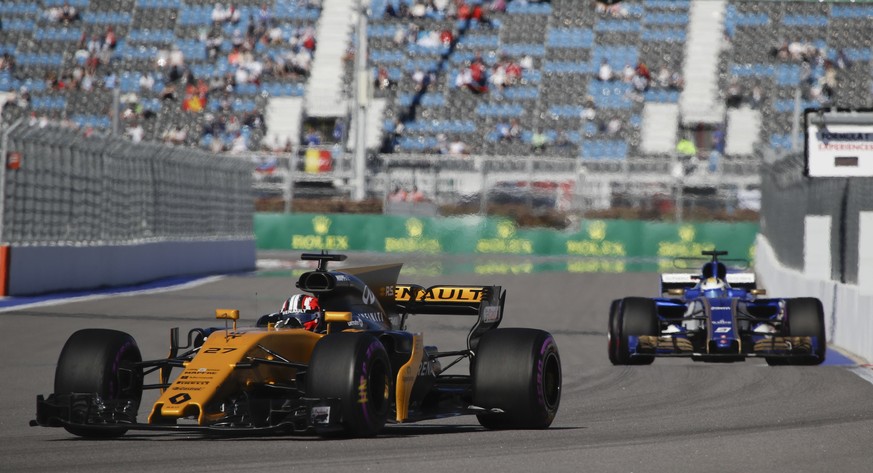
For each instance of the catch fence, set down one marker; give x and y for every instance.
(65, 187)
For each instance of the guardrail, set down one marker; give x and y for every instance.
(815, 242)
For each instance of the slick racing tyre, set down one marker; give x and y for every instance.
(612, 331)
(99, 361)
(804, 317)
(353, 367)
(635, 316)
(518, 371)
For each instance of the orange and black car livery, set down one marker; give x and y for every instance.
(360, 370)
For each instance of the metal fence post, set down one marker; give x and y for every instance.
(4, 149)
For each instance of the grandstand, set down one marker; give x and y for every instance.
(611, 87)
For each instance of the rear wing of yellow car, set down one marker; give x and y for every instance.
(485, 302)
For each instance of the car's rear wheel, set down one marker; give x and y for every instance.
(613, 331)
(354, 368)
(102, 362)
(804, 317)
(517, 371)
(635, 317)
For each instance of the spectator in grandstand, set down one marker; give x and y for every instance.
(416, 195)
(175, 135)
(300, 63)
(642, 70)
(756, 96)
(498, 6)
(418, 10)
(239, 143)
(502, 130)
(383, 79)
(193, 101)
(686, 153)
(403, 10)
(497, 78)
(110, 80)
(539, 141)
(312, 138)
(22, 97)
(677, 82)
(613, 126)
(628, 73)
(339, 130)
(135, 132)
(563, 142)
(422, 79)
(265, 17)
(473, 78)
(605, 72)
(95, 44)
(219, 14)
(843, 61)
(109, 38)
(68, 14)
(611, 8)
(829, 80)
(7, 62)
(307, 39)
(146, 81)
(640, 84)
(662, 80)
(213, 43)
(391, 137)
(168, 92)
(458, 148)
(589, 109)
(442, 145)
(515, 129)
(718, 144)
(398, 195)
(478, 75)
(447, 37)
(734, 93)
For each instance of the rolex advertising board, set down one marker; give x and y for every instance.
(598, 245)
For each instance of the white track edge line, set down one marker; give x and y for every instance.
(863, 372)
(156, 290)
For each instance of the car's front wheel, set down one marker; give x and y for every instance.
(634, 317)
(804, 317)
(101, 362)
(354, 368)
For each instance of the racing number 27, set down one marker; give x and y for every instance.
(219, 350)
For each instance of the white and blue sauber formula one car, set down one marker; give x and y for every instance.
(716, 315)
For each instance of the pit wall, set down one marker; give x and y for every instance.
(847, 307)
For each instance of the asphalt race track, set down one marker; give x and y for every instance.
(675, 415)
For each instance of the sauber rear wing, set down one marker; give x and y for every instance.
(669, 281)
(678, 281)
(486, 302)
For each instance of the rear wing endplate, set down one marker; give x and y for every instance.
(485, 302)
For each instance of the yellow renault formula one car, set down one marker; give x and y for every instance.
(358, 370)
